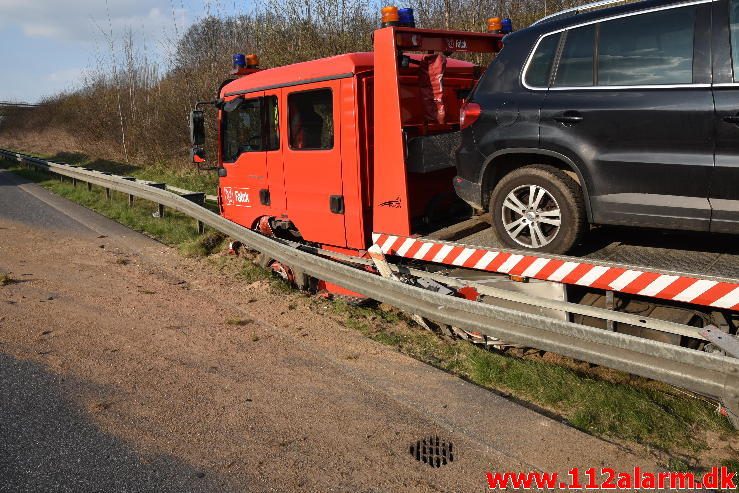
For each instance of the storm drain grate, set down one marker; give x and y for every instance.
(433, 451)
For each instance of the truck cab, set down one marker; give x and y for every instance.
(331, 150)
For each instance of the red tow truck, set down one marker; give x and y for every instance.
(356, 150)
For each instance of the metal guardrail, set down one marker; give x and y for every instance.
(710, 374)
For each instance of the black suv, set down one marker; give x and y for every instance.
(623, 115)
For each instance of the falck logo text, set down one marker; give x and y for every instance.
(238, 197)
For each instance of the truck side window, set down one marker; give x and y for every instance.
(311, 120)
(242, 129)
(540, 66)
(576, 65)
(647, 49)
(734, 24)
(273, 123)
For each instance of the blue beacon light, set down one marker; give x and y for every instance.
(507, 26)
(406, 17)
(239, 60)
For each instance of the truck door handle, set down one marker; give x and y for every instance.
(569, 118)
(732, 119)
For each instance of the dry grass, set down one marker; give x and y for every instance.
(6, 279)
(134, 109)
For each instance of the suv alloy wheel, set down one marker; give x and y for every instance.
(538, 208)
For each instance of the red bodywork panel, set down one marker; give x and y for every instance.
(378, 103)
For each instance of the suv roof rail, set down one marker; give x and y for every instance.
(577, 10)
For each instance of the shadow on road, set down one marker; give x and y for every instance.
(47, 444)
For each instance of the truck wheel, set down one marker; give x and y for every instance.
(538, 208)
(292, 275)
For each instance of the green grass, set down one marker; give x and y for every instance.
(188, 177)
(618, 406)
(175, 229)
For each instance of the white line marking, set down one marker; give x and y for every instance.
(421, 253)
(625, 279)
(510, 263)
(728, 300)
(407, 244)
(695, 290)
(533, 269)
(592, 275)
(462, 257)
(658, 285)
(388, 243)
(442, 253)
(485, 260)
(563, 270)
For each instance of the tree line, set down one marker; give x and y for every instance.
(131, 107)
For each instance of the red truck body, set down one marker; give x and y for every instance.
(355, 181)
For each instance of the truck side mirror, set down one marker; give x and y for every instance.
(197, 128)
(197, 155)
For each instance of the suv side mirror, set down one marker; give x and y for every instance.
(197, 127)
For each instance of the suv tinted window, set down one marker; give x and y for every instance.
(734, 20)
(576, 65)
(647, 49)
(540, 66)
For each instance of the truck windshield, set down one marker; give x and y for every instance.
(242, 129)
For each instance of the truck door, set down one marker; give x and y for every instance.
(724, 194)
(312, 157)
(630, 103)
(244, 158)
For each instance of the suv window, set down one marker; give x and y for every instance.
(647, 49)
(576, 64)
(734, 22)
(311, 120)
(540, 67)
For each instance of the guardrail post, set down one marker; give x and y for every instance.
(74, 182)
(89, 186)
(198, 198)
(610, 305)
(130, 197)
(160, 207)
(108, 194)
(731, 399)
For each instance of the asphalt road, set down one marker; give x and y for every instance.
(46, 442)
(120, 371)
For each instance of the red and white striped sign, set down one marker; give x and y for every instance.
(568, 270)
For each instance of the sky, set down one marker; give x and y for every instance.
(46, 46)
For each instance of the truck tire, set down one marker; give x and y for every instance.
(538, 208)
(297, 277)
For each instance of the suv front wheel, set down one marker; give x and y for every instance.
(538, 208)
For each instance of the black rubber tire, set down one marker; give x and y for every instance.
(565, 191)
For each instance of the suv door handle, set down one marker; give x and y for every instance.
(569, 118)
(732, 119)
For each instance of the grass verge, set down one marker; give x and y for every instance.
(602, 402)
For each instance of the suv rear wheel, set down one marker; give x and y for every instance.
(538, 208)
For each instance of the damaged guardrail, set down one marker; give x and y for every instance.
(705, 373)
